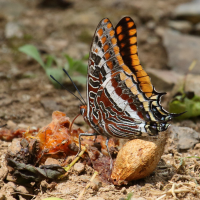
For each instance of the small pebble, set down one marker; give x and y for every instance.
(96, 184)
(9, 197)
(22, 189)
(85, 178)
(197, 146)
(11, 124)
(11, 184)
(2, 196)
(10, 178)
(79, 167)
(48, 185)
(21, 198)
(51, 161)
(123, 190)
(3, 172)
(10, 187)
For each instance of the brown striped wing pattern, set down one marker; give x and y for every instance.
(121, 100)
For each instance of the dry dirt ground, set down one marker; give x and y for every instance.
(27, 98)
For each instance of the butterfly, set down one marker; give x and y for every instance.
(121, 100)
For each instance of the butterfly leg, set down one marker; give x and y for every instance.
(79, 140)
(111, 161)
(95, 138)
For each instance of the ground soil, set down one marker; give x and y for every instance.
(27, 97)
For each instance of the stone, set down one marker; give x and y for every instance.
(3, 172)
(13, 29)
(192, 83)
(10, 187)
(182, 50)
(182, 26)
(15, 147)
(123, 190)
(184, 137)
(21, 197)
(163, 80)
(11, 124)
(197, 146)
(189, 11)
(22, 189)
(51, 161)
(2, 196)
(79, 167)
(96, 184)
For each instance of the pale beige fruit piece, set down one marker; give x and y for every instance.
(138, 158)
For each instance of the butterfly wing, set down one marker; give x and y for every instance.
(126, 35)
(107, 104)
(121, 101)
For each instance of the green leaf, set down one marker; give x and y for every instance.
(192, 106)
(86, 57)
(49, 61)
(69, 60)
(57, 73)
(80, 79)
(32, 51)
(80, 67)
(66, 66)
(129, 196)
(76, 65)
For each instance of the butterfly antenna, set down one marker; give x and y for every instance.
(74, 84)
(66, 89)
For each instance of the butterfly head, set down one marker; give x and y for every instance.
(83, 111)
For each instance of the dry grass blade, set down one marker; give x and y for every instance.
(177, 188)
(87, 186)
(73, 162)
(159, 198)
(76, 159)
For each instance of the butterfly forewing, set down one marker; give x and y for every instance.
(106, 100)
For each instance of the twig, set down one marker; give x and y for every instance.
(73, 162)
(161, 197)
(172, 190)
(87, 186)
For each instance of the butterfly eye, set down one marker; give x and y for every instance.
(82, 111)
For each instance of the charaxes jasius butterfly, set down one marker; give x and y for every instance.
(121, 100)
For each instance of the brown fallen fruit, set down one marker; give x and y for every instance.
(138, 158)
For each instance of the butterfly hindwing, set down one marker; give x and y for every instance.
(126, 35)
(127, 41)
